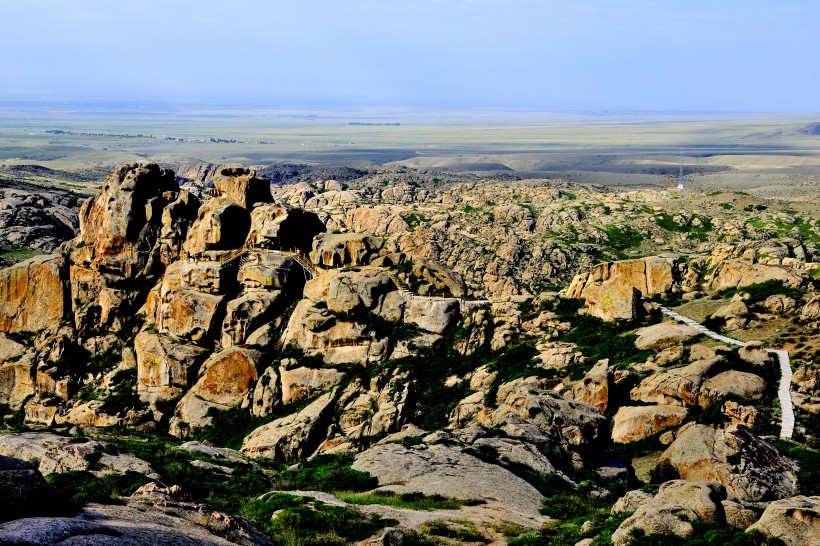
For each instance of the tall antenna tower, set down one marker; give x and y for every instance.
(680, 173)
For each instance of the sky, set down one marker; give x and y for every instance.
(659, 55)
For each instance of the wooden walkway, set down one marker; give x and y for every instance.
(784, 388)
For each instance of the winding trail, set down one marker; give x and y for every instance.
(783, 390)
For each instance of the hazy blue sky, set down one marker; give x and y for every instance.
(693, 55)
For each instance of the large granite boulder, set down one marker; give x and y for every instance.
(220, 225)
(795, 521)
(633, 423)
(670, 512)
(134, 225)
(680, 386)
(751, 469)
(664, 334)
(166, 367)
(527, 410)
(295, 436)
(275, 226)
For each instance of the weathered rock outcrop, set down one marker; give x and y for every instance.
(795, 521)
(165, 367)
(525, 409)
(659, 336)
(241, 186)
(670, 511)
(33, 294)
(633, 423)
(749, 468)
(340, 249)
(296, 436)
(134, 225)
(152, 516)
(737, 274)
(224, 380)
(614, 290)
(679, 386)
(220, 225)
(595, 387)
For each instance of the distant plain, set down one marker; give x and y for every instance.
(768, 155)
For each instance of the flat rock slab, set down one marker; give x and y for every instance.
(444, 470)
(663, 335)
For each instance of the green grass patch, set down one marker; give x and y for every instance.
(758, 292)
(326, 473)
(77, 487)
(412, 501)
(808, 459)
(300, 521)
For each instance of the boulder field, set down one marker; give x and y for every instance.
(262, 334)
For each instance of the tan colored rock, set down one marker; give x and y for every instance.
(594, 388)
(743, 384)
(220, 225)
(189, 314)
(165, 367)
(811, 310)
(125, 230)
(341, 249)
(557, 354)
(266, 270)
(33, 294)
(53, 453)
(779, 303)
(795, 521)
(377, 409)
(754, 353)
(249, 312)
(224, 380)
(749, 468)
(633, 423)
(525, 408)
(430, 314)
(277, 227)
(90, 414)
(664, 334)
(267, 394)
(10, 349)
(344, 291)
(16, 383)
(240, 185)
(740, 414)
(680, 386)
(295, 436)
(318, 331)
(670, 511)
(631, 501)
(736, 274)
(613, 290)
(202, 276)
(301, 383)
(738, 516)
